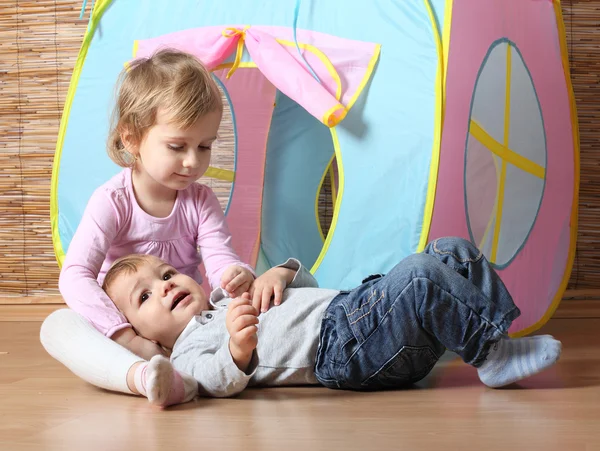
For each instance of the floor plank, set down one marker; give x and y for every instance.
(44, 407)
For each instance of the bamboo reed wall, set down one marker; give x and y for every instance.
(39, 43)
(582, 21)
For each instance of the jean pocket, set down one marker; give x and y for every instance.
(407, 366)
(372, 277)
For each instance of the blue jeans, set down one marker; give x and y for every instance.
(390, 331)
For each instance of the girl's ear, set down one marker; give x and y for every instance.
(130, 145)
(128, 141)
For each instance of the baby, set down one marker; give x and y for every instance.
(386, 333)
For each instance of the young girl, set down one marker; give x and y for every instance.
(166, 119)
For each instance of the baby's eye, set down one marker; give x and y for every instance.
(174, 147)
(205, 147)
(144, 297)
(167, 276)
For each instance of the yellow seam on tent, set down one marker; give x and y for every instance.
(499, 207)
(505, 153)
(317, 216)
(134, 51)
(336, 209)
(332, 181)
(494, 210)
(220, 174)
(319, 54)
(315, 51)
(328, 118)
(562, 37)
(446, 39)
(99, 9)
(505, 150)
(239, 48)
(489, 225)
(437, 140)
(366, 77)
(244, 64)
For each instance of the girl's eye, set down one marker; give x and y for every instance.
(144, 297)
(204, 147)
(167, 276)
(174, 147)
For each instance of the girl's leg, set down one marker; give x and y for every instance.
(73, 341)
(95, 358)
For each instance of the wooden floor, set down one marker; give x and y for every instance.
(44, 407)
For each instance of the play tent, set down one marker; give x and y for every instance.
(440, 117)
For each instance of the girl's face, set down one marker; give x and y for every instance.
(172, 158)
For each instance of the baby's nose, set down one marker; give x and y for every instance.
(167, 286)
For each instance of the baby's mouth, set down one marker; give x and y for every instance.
(180, 297)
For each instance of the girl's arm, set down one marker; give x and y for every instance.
(214, 238)
(137, 344)
(78, 278)
(78, 282)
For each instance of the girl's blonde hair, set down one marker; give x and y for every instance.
(171, 80)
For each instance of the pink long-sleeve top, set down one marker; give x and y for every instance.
(113, 225)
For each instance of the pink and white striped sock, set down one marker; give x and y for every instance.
(162, 384)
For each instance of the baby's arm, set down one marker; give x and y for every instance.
(78, 278)
(221, 369)
(223, 266)
(241, 323)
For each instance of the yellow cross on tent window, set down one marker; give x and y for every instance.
(506, 156)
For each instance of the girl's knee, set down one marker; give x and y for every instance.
(56, 323)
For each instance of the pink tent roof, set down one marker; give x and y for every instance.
(342, 66)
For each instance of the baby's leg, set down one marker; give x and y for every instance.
(509, 360)
(95, 358)
(391, 330)
(73, 341)
(463, 257)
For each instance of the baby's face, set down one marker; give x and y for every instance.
(157, 300)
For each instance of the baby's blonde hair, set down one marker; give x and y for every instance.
(129, 264)
(171, 80)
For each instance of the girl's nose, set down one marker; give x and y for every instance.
(190, 160)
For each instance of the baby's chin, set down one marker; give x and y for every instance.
(198, 306)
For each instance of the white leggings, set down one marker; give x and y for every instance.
(95, 358)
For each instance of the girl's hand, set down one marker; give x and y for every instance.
(270, 286)
(236, 280)
(137, 344)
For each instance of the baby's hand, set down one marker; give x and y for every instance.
(236, 280)
(241, 321)
(270, 286)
